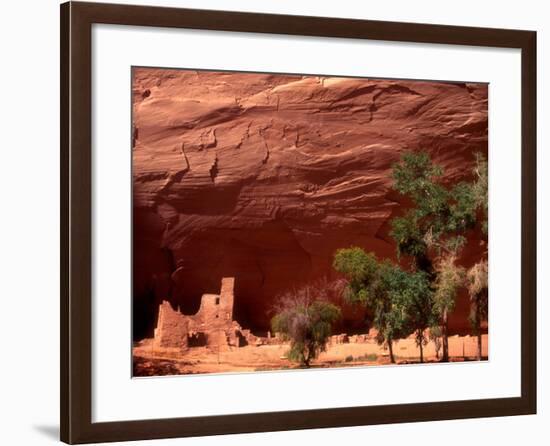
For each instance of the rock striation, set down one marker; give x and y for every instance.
(262, 177)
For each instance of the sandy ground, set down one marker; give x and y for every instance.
(148, 362)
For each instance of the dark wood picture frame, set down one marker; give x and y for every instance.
(76, 221)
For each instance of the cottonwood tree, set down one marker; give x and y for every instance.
(399, 301)
(306, 320)
(367, 286)
(480, 192)
(430, 234)
(449, 279)
(435, 337)
(412, 293)
(477, 277)
(477, 283)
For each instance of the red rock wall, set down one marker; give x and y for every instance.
(263, 177)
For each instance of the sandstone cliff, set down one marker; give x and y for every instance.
(263, 177)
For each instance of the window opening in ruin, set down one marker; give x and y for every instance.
(197, 340)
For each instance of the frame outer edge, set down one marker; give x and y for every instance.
(313, 26)
(76, 225)
(65, 407)
(529, 221)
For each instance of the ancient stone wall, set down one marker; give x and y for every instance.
(225, 310)
(172, 329)
(212, 326)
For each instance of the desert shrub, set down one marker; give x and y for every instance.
(306, 321)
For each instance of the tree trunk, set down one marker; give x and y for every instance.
(307, 358)
(421, 347)
(477, 328)
(479, 345)
(390, 347)
(445, 337)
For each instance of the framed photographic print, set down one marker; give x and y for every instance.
(283, 222)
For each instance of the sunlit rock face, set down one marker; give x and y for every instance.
(262, 177)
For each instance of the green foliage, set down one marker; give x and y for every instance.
(480, 190)
(455, 244)
(361, 269)
(305, 322)
(470, 201)
(413, 303)
(462, 208)
(416, 177)
(439, 215)
(432, 233)
(400, 301)
(406, 232)
(390, 310)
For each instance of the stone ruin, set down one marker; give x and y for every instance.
(212, 326)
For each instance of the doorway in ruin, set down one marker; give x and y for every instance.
(196, 339)
(241, 340)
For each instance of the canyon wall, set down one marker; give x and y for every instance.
(262, 177)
